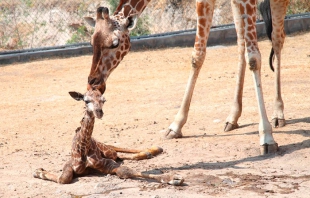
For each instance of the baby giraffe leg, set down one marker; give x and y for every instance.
(109, 166)
(140, 154)
(110, 152)
(65, 177)
(125, 172)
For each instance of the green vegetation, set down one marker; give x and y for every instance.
(32, 23)
(298, 6)
(113, 4)
(78, 36)
(142, 27)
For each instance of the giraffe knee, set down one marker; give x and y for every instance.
(254, 62)
(124, 172)
(197, 62)
(67, 174)
(65, 178)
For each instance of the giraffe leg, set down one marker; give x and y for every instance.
(125, 172)
(109, 166)
(278, 11)
(110, 152)
(247, 16)
(65, 177)
(204, 9)
(140, 154)
(236, 109)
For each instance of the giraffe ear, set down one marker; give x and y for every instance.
(76, 95)
(103, 99)
(132, 22)
(91, 21)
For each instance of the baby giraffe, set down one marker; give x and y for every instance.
(88, 154)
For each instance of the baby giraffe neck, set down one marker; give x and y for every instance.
(84, 132)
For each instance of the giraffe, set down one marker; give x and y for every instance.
(87, 154)
(107, 57)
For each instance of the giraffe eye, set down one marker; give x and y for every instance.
(115, 44)
(87, 101)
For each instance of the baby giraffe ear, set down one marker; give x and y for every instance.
(76, 95)
(103, 99)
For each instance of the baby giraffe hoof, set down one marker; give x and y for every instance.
(39, 173)
(170, 134)
(230, 127)
(269, 149)
(277, 122)
(175, 180)
(155, 150)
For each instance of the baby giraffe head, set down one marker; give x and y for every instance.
(93, 99)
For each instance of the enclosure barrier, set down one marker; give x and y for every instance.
(219, 35)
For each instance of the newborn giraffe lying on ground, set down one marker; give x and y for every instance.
(88, 154)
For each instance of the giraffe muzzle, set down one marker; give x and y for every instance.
(99, 113)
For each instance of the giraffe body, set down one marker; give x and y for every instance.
(88, 154)
(244, 12)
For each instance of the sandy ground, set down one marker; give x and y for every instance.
(39, 118)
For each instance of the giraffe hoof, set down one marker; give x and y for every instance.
(170, 134)
(269, 149)
(148, 155)
(177, 180)
(155, 150)
(277, 122)
(230, 127)
(38, 173)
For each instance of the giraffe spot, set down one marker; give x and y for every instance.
(118, 55)
(242, 10)
(202, 21)
(134, 3)
(249, 9)
(127, 45)
(201, 31)
(108, 65)
(140, 6)
(200, 8)
(127, 9)
(250, 36)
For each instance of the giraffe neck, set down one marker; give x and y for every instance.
(128, 8)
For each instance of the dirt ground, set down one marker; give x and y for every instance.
(39, 118)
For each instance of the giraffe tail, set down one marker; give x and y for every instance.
(264, 8)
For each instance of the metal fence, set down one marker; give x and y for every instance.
(27, 24)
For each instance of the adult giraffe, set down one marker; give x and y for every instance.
(111, 43)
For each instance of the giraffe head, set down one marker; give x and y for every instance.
(93, 99)
(110, 41)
